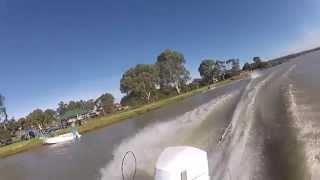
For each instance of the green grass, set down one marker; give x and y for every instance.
(19, 147)
(104, 121)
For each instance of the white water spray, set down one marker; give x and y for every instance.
(309, 132)
(255, 74)
(241, 160)
(152, 140)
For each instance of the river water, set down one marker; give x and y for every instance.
(264, 127)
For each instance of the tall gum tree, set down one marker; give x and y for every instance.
(207, 69)
(3, 112)
(143, 79)
(172, 72)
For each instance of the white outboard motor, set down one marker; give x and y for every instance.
(182, 163)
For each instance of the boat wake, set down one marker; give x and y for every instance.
(255, 75)
(152, 140)
(235, 148)
(305, 119)
(240, 151)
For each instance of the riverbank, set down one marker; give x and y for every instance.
(104, 121)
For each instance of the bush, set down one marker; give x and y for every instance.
(5, 136)
(166, 92)
(132, 100)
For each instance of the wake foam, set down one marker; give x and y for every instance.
(304, 119)
(236, 158)
(255, 75)
(152, 140)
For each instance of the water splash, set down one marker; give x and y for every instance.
(234, 151)
(152, 140)
(255, 74)
(304, 119)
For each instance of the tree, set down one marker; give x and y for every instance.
(22, 122)
(3, 112)
(74, 105)
(39, 117)
(50, 116)
(257, 60)
(235, 66)
(89, 104)
(106, 102)
(207, 70)
(172, 72)
(35, 118)
(62, 108)
(246, 67)
(131, 100)
(257, 63)
(141, 80)
(220, 70)
(196, 83)
(4, 135)
(12, 125)
(265, 64)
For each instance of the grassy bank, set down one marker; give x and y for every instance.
(19, 147)
(100, 122)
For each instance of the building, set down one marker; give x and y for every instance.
(119, 107)
(76, 116)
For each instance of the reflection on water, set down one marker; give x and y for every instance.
(61, 148)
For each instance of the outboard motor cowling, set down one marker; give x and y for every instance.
(182, 163)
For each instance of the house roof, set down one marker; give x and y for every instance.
(73, 113)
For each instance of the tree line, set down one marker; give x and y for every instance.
(168, 76)
(141, 84)
(145, 83)
(39, 118)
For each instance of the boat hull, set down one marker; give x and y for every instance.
(61, 139)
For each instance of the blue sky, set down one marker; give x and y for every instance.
(62, 50)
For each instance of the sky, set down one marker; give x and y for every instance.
(53, 51)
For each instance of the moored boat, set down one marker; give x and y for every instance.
(62, 138)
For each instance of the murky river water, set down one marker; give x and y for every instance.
(268, 126)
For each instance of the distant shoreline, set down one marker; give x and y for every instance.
(101, 122)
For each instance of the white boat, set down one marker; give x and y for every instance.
(182, 163)
(62, 138)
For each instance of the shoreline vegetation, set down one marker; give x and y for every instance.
(104, 121)
(146, 87)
